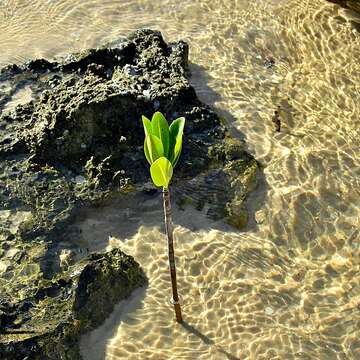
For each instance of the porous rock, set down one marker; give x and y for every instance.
(47, 322)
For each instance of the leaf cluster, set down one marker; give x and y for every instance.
(162, 146)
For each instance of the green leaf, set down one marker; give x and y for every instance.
(161, 172)
(176, 134)
(160, 128)
(155, 148)
(146, 151)
(147, 125)
(177, 152)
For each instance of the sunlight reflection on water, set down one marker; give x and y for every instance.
(288, 287)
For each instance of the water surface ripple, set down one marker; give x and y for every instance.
(288, 287)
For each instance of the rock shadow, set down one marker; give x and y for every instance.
(200, 80)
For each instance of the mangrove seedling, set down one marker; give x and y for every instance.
(162, 148)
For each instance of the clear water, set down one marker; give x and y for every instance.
(288, 287)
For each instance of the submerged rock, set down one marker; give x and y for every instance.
(77, 143)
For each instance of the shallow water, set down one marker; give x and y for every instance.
(288, 287)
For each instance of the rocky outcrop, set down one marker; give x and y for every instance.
(77, 143)
(47, 321)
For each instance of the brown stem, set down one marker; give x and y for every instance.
(170, 238)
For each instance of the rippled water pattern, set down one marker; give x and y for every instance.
(288, 287)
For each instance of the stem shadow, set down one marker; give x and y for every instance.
(206, 340)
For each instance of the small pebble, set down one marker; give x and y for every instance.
(146, 94)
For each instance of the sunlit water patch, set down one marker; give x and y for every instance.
(288, 287)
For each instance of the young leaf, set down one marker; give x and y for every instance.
(146, 152)
(161, 172)
(160, 128)
(177, 151)
(147, 125)
(155, 147)
(176, 132)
